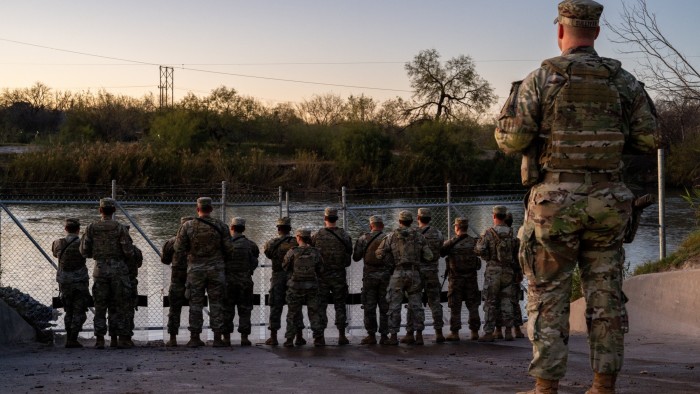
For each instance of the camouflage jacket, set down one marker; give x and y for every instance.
(435, 240)
(404, 248)
(310, 279)
(168, 256)
(336, 248)
(245, 255)
(365, 249)
(276, 248)
(460, 255)
(205, 241)
(118, 245)
(487, 244)
(71, 264)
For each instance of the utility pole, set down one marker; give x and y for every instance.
(166, 87)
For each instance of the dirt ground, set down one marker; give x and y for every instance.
(653, 365)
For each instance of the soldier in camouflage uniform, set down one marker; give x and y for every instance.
(275, 250)
(496, 247)
(134, 263)
(239, 282)
(429, 278)
(207, 243)
(572, 119)
(109, 244)
(375, 280)
(178, 278)
(304, 266)
(404, 249)
(517, 291)
(336, 248)
(72, 278)
(461, 270)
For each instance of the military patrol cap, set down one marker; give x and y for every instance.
(72, 222)
(579, 13)
(405, 215)
(237, 222)
(500, 209)
(303, 232)
(330, 212)
(376, 219)
(461, 222)
(107, 202)
(204, 202)
(424, 212)
(185, 219)
(285, 221)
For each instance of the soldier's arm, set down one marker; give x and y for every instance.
(482, 246)
(86, 242)
(127, 244)
(642, 122)
(267, 249)
(519, 121)
(447, 246)
(226, 242)
(359, 251)
(254, 255)
(319, 264)
(182, 242)
(56, 247)
(382, 249)
(168, 252)
(288, 261)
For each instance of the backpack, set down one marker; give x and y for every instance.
(504, 247)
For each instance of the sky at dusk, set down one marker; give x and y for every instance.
(253, 45)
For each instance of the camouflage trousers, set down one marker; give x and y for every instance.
(498, 295)
(335, 285)
(75, 297)
(113, 293)
(209, 278)
(295, 301)
(566, 224)
(130, 310)
(278, 294)
(373, 295)
(431, 286)
(176, 297)
(239, 294)
(408, 281)
(464, 288)
(517, 311)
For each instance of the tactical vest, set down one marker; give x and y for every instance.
(304, 265)
(242, 254)
(105, 240)
(586, 134)
(206, 241)
(372, 263)
(334, 251)
(70, 259)
(406, 248)
(283, 246)
(434, 238)
(462, 258)
(503, 246)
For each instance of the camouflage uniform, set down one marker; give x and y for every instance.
(404, 249)
(109, 243)
(429, 276)
(375, 280)
(275, 250)
(178, 278)
(499, 277)
(207, 243)
(336, 248)
(303, 265)
(462, 267)
(573, 117)
(239, 283)
(72, 278)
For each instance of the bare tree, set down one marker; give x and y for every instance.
(446, 87)
(325, 110)
(665, 68)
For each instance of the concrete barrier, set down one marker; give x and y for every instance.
(13, 329)
(665, 303)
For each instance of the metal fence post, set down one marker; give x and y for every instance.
(449, 213)
(223, 201)
(280, 200)
(662, 207)
(345, 213)
(286, 202)
(114, 194)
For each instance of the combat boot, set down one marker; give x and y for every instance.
(439, 338)
(453, 336)
(603, 384)
(509, 334)
(474, 335)
(370, 339)
(487, 337)
(342, 339)
(289, 342)
(419, 337)
(125, 342)
(393, 340)
(319, 341)
(113, 341)
(408, 338)
(498, 334)
(194, 341)
(244, 339)
(272, 340)
(218, 340)
(384, 339)
(519, 332)
(299, 339)
(543, 386)
(72, 340)
(100, 342)
(172, 342)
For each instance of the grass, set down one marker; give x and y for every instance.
(688, 249)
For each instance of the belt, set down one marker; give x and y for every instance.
(575, 177)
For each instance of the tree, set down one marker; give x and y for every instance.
(325, 110)
(444, 88)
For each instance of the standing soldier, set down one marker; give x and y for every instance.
(336, 248)
(429, 277)
(496, 247)
(109, 244)
(207, 244)
(573, 118)
(404, 249)
(304, 265)
(375, 280)
(517, 290)
(178, 278)
(275, 250)
(462, 267)
(239, 282)
(72, 278)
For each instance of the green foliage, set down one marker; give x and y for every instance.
(176, 129)
(689, 248)
(362, 146)
(682, 166)
(693, 199)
